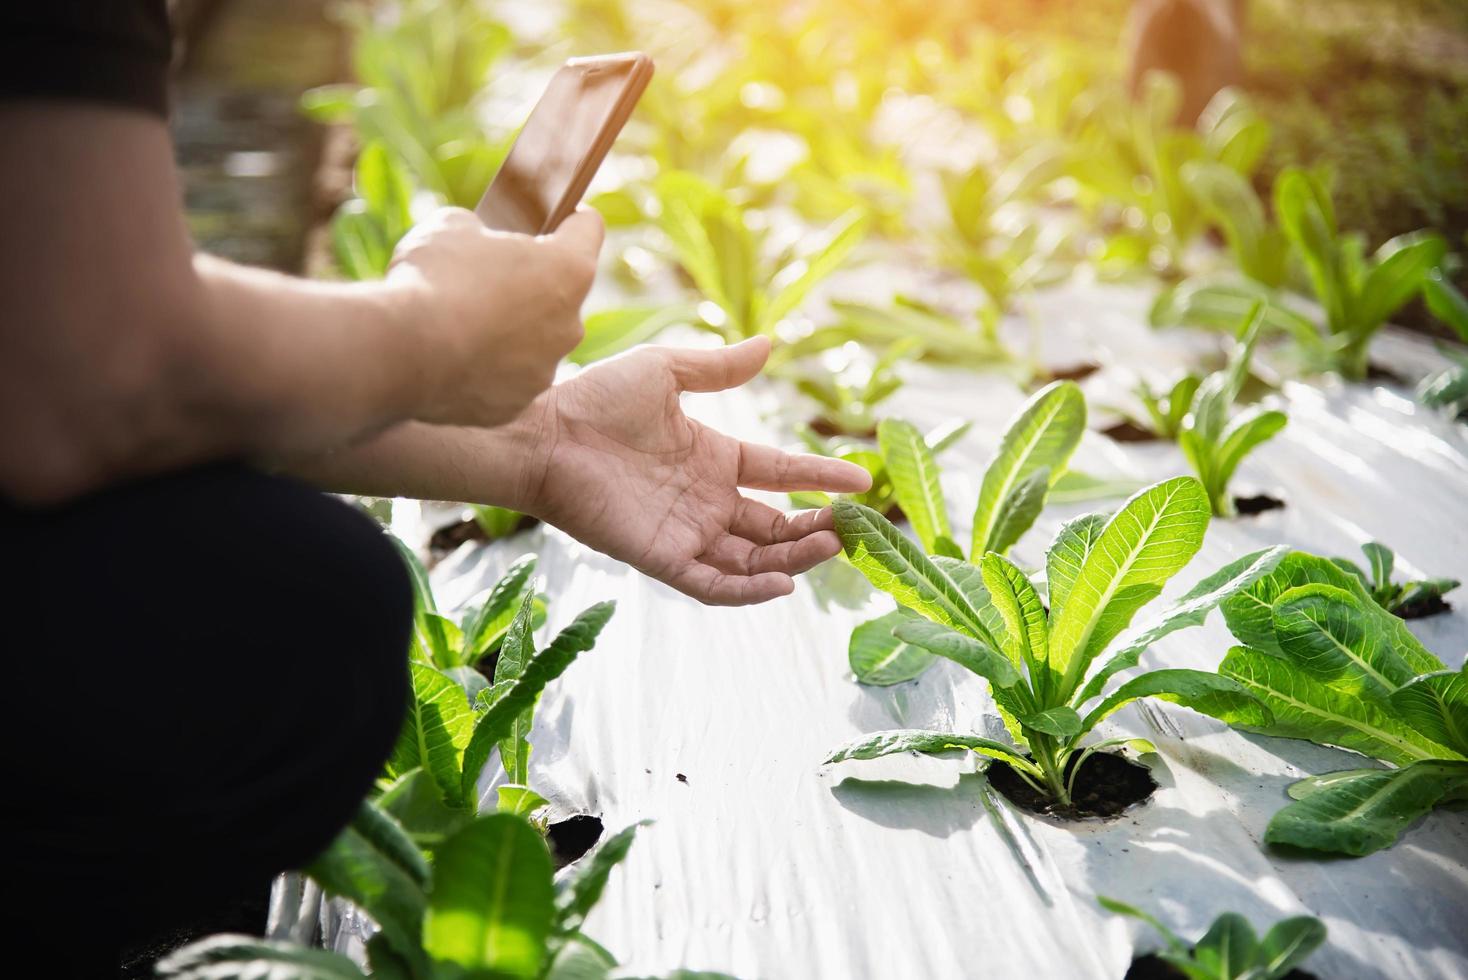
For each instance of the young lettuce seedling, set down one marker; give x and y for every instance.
(1166, 412)
(1231, 949)
(1213, 443)
(1448, 388)
(1409, 600)
(849, 398)
(990, 620)
(488, 906)
(1032, 456)
(722, 255)
(1336, 669)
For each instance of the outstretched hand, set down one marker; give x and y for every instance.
(622, 469)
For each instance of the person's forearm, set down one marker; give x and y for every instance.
(503, 466)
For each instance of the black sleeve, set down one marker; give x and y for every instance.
(111, 51)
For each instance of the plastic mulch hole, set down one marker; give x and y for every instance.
(1108, 784)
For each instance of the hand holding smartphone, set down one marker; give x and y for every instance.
(565, 140)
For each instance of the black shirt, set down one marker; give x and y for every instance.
(111, 51)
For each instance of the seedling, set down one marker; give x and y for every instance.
(488, 906)
(1215, 445)
(1231, 949)
(1449, 388)
(991, 620)
(1166, 411)
(1409, 600)
(716, 245)
(849, 397)
(1336, 669)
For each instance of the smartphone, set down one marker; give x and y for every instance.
(563, 143)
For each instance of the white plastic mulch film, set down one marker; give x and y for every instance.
(763, 863)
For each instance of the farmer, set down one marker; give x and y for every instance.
(206, 653)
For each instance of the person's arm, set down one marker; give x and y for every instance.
(610, 458)
(122, 353)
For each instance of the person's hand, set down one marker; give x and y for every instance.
(621, 468)
(497, 311)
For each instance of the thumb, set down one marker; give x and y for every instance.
(582, 233)
(721, 368)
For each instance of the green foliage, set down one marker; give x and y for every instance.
(849, 397)
(1215, 444)
(440, 642)
(1337, 669)
(1039, 663)
(1231, 949)
(1396, 597)
(719, 250)
(489, 907)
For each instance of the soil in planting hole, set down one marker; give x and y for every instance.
(1153, 967)
(448, 538)
(1107, 785)
(823, 426)
(1375, 372)
(573, 837)
(1072, 372)
(1428, 605)
(1129, 431)
(1257, 504)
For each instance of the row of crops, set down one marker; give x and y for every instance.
(889, 197)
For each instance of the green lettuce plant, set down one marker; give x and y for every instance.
(940, 338)
(1039, 660)
(1336, 669)
(882, 497)
(1231, 949)
(849, 398)
(1215, 443)
(1165, 411)
(1448, 388)
(488, 906)
(1410, 599)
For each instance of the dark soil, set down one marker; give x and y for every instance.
(1128, 431)
(1074, 372)
(1153, 967)
(1257, 504)
(823, 426)
(245, 916)
(1426, 606)
(1107, 785)
(1375, 372)
(573, 837)
(448, 538)
(895, 514)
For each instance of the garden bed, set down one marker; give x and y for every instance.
(762, 862)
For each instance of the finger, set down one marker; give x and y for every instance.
(763, 524)
(582, 233)
(740, 556)
(715, 588)
(721, 368)
(767, 468)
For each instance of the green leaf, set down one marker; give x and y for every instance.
(517, 650)
(969, 653)
(1307, 217)
(843, 236)
(1306, 708)
(584, 886)
(1068, 554)
(1204, 692)
(498, 719)
(518, 800)
(1061, 722)
(894, 565)
(1436, 705)
(897, 741)
(492, 904)
(879, 658)
(330, 103)
(1367, 809)
(1026, 631)
(375, 864)
(1288, 944)
(232, 957)
(487, 624)
(423, 602)
(1246, 432)
(914, 476)
(1381, 559)
(416, 802)
(1402, 267)
(1250, 612)
(435, 732)
(1151, 538)
(1042, 435)
(1328, 634)
(1190, 610)
(611, 332)
(1122, 908)
(1446, 302)
(580, 959)
(1228, 948)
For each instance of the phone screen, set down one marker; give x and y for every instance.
(562, 144)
